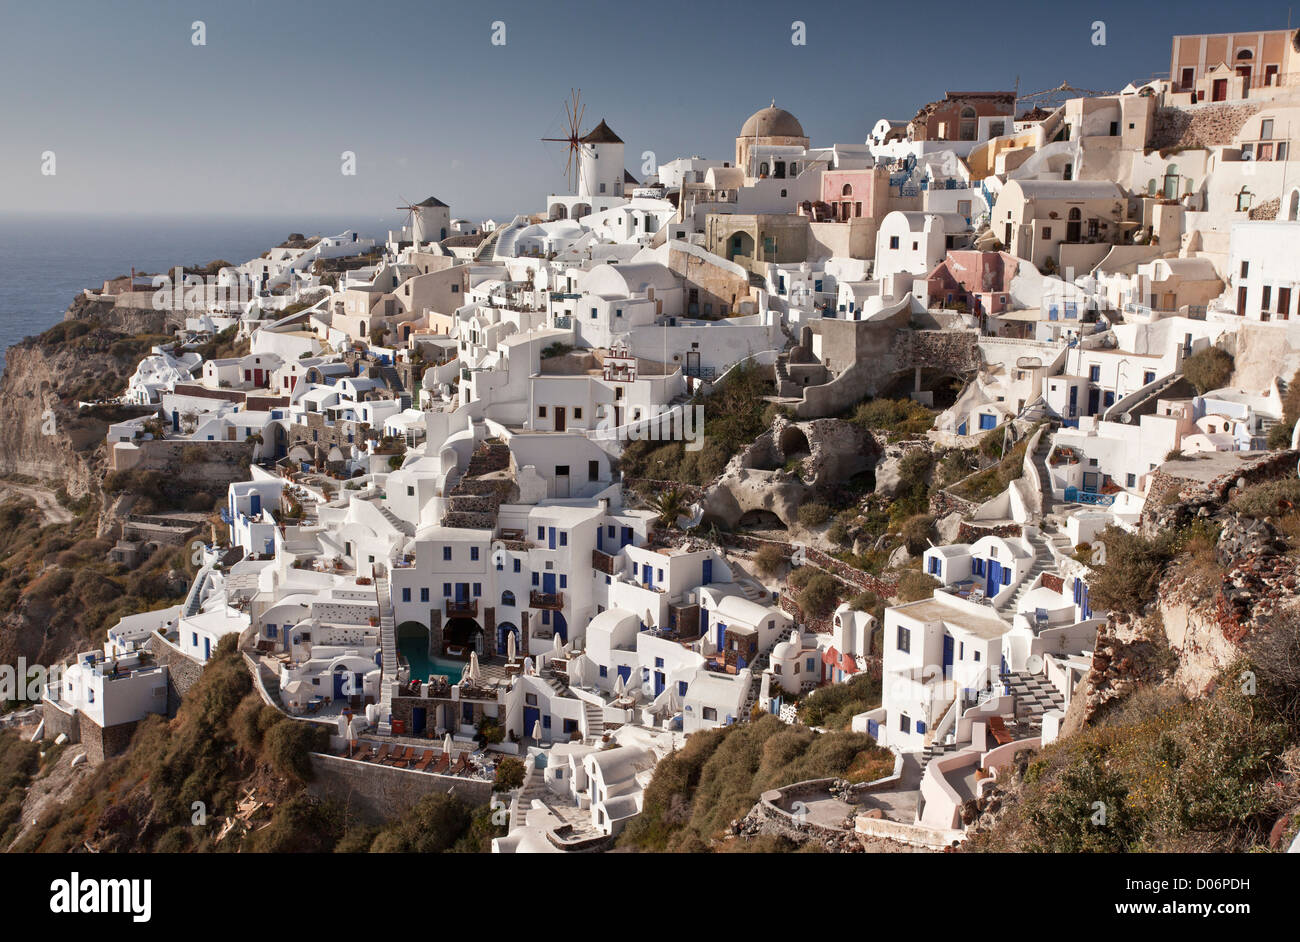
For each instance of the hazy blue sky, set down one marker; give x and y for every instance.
(141, 120)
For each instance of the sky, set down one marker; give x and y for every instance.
(140, 120)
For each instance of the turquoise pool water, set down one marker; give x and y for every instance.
(416, 653)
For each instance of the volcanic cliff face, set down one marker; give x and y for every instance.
(89, 355)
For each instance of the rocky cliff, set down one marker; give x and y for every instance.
(88, 356)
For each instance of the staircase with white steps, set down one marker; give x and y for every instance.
(388, 647)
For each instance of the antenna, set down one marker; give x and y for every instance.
(573, 111)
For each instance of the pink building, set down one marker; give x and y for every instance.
(852, 194)
(980, 280)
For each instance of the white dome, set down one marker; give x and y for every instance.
(785, 651)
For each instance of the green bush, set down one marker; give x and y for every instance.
(1208, 369)
(915, 585)
(813, 513)
(769, 559)
(509, 774)
(819, 596)
(287, 744)
(431, 827)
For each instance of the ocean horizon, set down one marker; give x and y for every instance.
(47, 260)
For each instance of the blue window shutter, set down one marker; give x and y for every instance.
(920, 727)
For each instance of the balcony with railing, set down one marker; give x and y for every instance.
(462, 608)
(546, 600)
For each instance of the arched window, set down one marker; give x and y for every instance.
(846, 190)
(762, 169)
(507, 598)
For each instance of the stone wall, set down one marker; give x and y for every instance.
(376, 793)
(1208, 126)
(182, 670)
(858, 578)
(104, 742)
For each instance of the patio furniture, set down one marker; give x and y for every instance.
(425, 759)
(461, 765)
(367, 753)
(382, 756)
(404, 759)
(1001, 735)
(440, 767)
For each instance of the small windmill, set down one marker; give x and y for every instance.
(412, 218)
(573, 111)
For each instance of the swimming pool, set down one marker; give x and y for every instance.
(416, 654)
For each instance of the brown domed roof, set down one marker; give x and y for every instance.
(772, 122)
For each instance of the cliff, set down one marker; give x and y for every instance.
(89, 355)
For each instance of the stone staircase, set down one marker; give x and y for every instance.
(402, 526)
(594, 717)
(391, 377)
(934, 751)
(388, 647)
(1044, 474)
(1043, 561)
(751, 697)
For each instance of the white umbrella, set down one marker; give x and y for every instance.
(510, 646)
(576, 671)
(618, 686)
(557, 645)
(473, 667)
(528, 665)
(537, 731)
(447, 744)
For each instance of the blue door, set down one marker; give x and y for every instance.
(532, 716)
(987, 422)
(626, 537)
(338, 684)
(560, 626)
(722, 636)
(207, 648)
(659, 682)
(548, 583)
(419, 719)
(648, 576)
(708, 572)
(947, 657)
(1074, 401)
(550, 538)
(256, 505)
(625, 672)
(993, 584)
(1094, 399)
(462, 591)
(600, 539)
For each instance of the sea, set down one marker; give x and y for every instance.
(46, 261)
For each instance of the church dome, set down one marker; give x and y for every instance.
(772, 122)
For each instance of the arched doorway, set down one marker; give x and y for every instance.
(1293, 207)
(504, 630)
(1073, 227)
(461, 635)
(741, 244)
(968, 123)
(559, 211)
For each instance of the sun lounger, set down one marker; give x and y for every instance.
(1001, 735)
(383, 753)
(404, 759)
(440, 767)
(460, 766)
(424, 760)
(367, 753)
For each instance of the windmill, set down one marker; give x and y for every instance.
(573, 111)
(412, 219)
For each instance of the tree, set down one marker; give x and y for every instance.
(668, 505)
(509, 775)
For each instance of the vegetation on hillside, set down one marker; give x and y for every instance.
(718, 775)
(223, 740)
